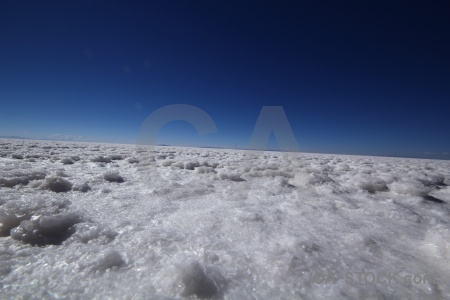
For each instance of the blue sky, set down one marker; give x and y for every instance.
(358, 78)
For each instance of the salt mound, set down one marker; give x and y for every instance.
(46, 221)
(409, 187)
(167, 163)
(447, 180)
(132, 160)
(433, 179)
(191, 165)
(108, 259)
(443, 194)
(116, 157)
(10, 217)
(309, 179)
(193, 280)
(14, 212)
(56, 184)
(14, 178)
(86, 232)
(179, 165)
(275, 173)
(232, 177)
(371, 184)
(342, 167)
(102, 159)
(203, 170)
(12, 182)
(46, 230)
(67, 161)
(209, 164)
(81, 187)
(113, 177)
(197, 282)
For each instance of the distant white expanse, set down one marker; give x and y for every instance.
(109, 221)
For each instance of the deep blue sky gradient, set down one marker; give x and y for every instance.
(357, 77)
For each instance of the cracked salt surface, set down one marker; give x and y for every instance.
(83, 220)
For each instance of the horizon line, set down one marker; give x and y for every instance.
(12, 137)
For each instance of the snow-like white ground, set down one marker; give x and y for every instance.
(113, 221)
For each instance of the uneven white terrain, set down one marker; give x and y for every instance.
(83, 220)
